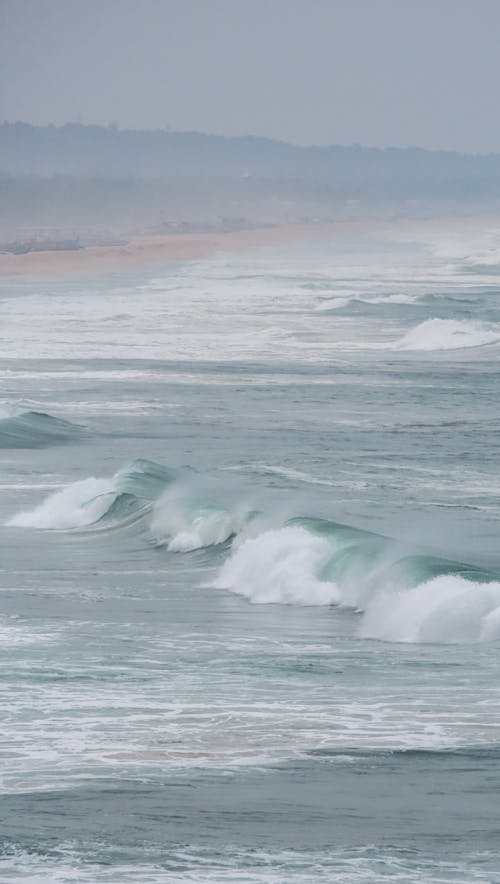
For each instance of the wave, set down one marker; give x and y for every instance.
(326, 305)
(399, 595)
(449, 334)
(123, 498)
(182, 524)
(485, 261)
(178, 517)
(478, 253)
(34, 429)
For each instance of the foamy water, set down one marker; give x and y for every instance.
(249, 589)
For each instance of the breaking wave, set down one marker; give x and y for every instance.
(398, 593)
(182, 524)
(174, 508)
(449, 334)
(327, 305)
(485, 261)
(34, 429)
(123, 498)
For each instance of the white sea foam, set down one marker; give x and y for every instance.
(68, 864)
(182, 524)
(326, 305)
(85, 502)
(487, 259)
(14, 633)
(75, 506)
(10, 408)
(180, 519)
(445, 609)
(280, 567)
(285, 566)
(7, 410)
(449, 334)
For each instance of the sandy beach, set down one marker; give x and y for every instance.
(152, 249)
(143, 250)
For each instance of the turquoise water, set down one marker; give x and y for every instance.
(250, 577)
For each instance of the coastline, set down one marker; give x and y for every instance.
(145, 250)
(154, 249)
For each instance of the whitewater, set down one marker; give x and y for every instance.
(250, 575)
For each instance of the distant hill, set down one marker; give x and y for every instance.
(51, 174)
(75, 149)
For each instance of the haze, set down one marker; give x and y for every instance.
(374, 72)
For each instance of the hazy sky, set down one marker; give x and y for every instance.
(375, 72)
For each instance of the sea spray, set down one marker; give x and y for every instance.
(183, 523)
(449, 334)
(80, 504)
(280, 567)
(178, 510)
(403, 598)
(90, 501)
(445, 609)
(401, 593)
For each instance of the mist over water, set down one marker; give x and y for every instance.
(250, 580)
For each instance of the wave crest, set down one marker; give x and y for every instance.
(400, 597)
(449, 334)
(449, 608)
(75, 506)
(179, 517)
(280, 567)
(182, 524)
(124, 497)
(399, 593)
(35, 429)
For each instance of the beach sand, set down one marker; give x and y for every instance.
(144, 250)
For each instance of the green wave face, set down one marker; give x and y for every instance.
(144, 479)
(401, 593)
(359, 555)
(34, 429)
(134, 490)
(95, 503)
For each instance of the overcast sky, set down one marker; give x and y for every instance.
(373, 72)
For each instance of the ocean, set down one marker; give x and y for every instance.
(250, 570)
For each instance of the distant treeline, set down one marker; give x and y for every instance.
(77, 177)
(351, 172)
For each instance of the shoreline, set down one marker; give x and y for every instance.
(156, 249)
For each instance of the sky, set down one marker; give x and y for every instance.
(374, 72)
